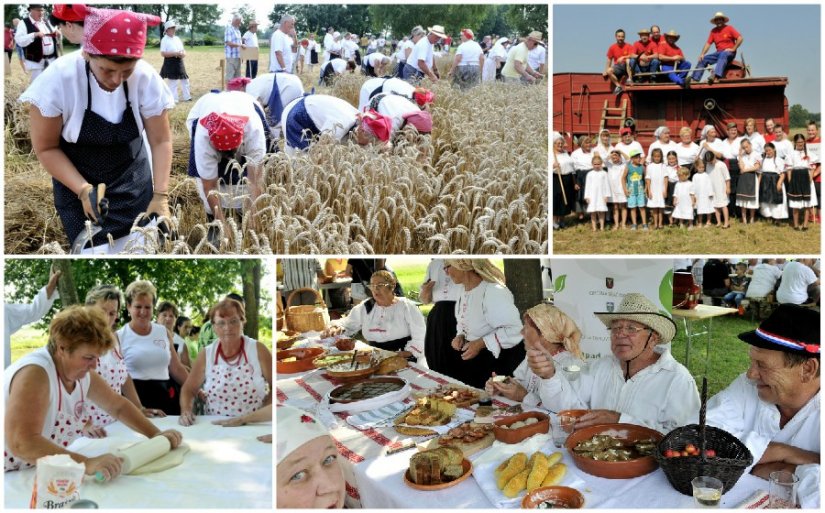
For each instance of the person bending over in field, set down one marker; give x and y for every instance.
(311, 115)
(274, 98)
(335, 68)
(91, 116)
(374, 86)
(226, 129)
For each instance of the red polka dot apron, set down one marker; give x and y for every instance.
(112, 368)
(234, 385)
(68, 424)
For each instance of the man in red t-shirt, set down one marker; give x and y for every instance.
(619, 57)
(673, 59)
(727, 40)
(647, 51)
(812, 146)
(770, 124)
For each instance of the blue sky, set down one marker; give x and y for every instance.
(778, 40)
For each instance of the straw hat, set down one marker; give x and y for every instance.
(718, 15)
(535, 36)
(438, 30)
(672, 33)
(643, 31)
(636, 307)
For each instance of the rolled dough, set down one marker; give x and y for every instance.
(150, 456)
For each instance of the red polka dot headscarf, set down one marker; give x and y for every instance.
(225, 130)
(111, 32)
(376, 124)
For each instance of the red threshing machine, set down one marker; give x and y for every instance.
(584, 103)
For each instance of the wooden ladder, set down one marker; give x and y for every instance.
(613, 113)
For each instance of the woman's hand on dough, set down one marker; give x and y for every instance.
(187, 418)
(152, 412)
(108, 466)
(233, 422)
(175, 437)
(267, 439)
(92, 431)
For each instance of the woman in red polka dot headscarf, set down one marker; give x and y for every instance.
(92, 116)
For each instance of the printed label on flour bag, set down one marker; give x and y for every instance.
(57, 482)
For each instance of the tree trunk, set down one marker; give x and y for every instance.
(251, 279)
(524, 281)
(65, 285)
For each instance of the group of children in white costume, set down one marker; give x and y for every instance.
(780, 184)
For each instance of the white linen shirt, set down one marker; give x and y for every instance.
(383, 324)
(536, 57)
(24, 38)
(757, 141)
(329, 113)
(423, 50)
(529, 380)
(62, 92)
(796, 277)
(662, 396)
(250, 39)
(280, 42)
(253, 146)
(396, 107)
(666, 148)
(687, 155)
(731, 149)
(388, 85)
(739, 411)
(784, 148)
(625, 150)
(488, 312)
(470, 51)
(445, 289)
(763, 280)
(171, 44)
(17, 315)
(289, 86)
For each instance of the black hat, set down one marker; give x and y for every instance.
(36, 6)
(790, 328)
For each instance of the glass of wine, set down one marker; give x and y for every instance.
(707, 491)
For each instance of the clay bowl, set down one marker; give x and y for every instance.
(627, 433)
(468, 470)
(562, 497)
(342, 371)
(572, 413)
(345, 344)
(514, 436)
(286, 339)
(304, 362)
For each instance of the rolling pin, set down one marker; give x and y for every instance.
(142, 453)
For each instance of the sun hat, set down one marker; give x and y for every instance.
(535, 36)
(295, 428)
(790, 328)
(672, 33)
(643, 31)
(636, 307)
(112, 32)
(169, 24)
(225, 130)
(718, 15)
(438, 30)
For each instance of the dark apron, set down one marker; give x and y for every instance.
(439, 335)
(746, 187)
(313, 56)
(369, 70)
(110, 153)
(767, 189)
(799, 186)
(298, 123)
(328, 74)
(173, 69)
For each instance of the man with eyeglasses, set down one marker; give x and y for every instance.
(639, 383)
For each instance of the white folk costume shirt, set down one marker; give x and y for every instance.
(62, 92)
(250, 39)
(289, 86)
(281, 42)
(784, 148)
(656, 175)
(388, 85)
(374, 59)
(528, 379)
(731, 148)
(469, 51)
(329, 41)
(383, 324)
(582, 161)
(488, 312)
(17, 315)
(349, 47)
(718, 145)
(757, 142)
(566, 165)
(750, 159)
(339, 66)
(796, 278)
(396, 107)
(171, 44)
(63, 420)
(401, 54)
(597, 190)
(687, 155)
(662, 396)
(666, 148)
(112, 368)
(603, 151)
(763, 280)
(237, 103)
(237, 387)
(797, 160)
(445, 289)
(814, 151)
(625, 149)
(147, 356)
(614, 177)
(329, 113)
(535, 57)
(739, 411)
(423, 50)
(703, 188)
(683, 194)
(24, 39)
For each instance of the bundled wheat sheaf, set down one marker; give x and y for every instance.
(477, 184)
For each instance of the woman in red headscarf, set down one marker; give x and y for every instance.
(92, 116)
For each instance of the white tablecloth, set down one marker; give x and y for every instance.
(225, 468)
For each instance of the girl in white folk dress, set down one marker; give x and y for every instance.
(684, 199)
(704, 194)
(597, 192)
(656, 187)
(616, 175)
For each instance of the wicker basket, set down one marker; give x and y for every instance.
(306, 317)
(731, 460)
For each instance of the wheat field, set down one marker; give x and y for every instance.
(477, 184)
